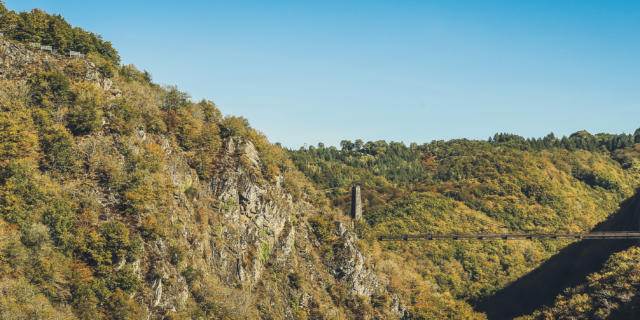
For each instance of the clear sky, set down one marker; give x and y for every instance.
(412, 71)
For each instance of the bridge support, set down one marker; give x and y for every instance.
(356, 203)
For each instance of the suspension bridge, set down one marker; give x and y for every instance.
(356, 214)
(610, 235)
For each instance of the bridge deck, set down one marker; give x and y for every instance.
(502, 236)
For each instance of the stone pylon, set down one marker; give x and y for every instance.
(356, 203)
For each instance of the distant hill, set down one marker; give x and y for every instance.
(505, 184)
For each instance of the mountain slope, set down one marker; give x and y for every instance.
(568, 268)
(121, 199)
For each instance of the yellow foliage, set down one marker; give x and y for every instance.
(18, 139)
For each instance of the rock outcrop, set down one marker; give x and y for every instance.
(18, 61)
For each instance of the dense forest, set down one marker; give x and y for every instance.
(124, 199)
(505, 184)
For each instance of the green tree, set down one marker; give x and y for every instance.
(17, 137)
(20, 195)
(174, 99)
(60, 216)
(121, 307)
(346, 145)
(50, 88)
(86, 113)
(58, 145)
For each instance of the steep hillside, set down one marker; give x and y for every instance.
(507, 184)
(611, 293)
(569, 267)
(121, 199)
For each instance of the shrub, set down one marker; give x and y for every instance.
(295, 280)
(76, 69)
(235, 127)
(60, 216)
(108, 245)
(18, 138)
(117, 242)
(176, 254)
(36, 236)
(191, 274)
(85, 115)
(105, 66)
(321, 228)
(131, 73)
(50, 89)
(121, 307)
(188, 129)
(210, 111)
(21, 195)
(174, 99)
(264, 252)
(124, 279)
(123, 117)
(58, 147)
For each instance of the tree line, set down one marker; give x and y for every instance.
(51, 29)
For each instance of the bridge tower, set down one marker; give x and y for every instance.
(356, 202)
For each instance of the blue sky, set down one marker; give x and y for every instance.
(412, 71)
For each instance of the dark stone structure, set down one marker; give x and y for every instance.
(356, 203)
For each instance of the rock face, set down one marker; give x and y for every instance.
(349, 264)
(254, 220)
(261, 235)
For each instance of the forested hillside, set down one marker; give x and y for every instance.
(123, 199)
(505, 184)
(611, 293)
